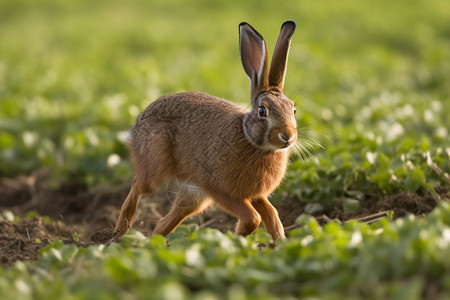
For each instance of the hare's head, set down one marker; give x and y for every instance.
(271, 123)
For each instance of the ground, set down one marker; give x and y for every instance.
(87, 216)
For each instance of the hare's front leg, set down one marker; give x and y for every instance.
(248, 218)
(128, 210)
(269, 217)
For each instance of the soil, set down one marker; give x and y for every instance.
(90, 214)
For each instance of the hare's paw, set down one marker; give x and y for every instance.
(122, 228)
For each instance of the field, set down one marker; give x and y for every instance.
(365, 202)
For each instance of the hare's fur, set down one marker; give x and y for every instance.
(215, 151)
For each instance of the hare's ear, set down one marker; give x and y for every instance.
(254, 58)
(280, 55)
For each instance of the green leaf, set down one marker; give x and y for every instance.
(158, 241)
(311, 208)
(415, 179)
(350, 205)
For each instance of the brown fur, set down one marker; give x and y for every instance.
(215, 151)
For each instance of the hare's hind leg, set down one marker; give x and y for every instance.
(128, 209)
(184, 205)
(269, 216)
(151, 159)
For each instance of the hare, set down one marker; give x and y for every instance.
(214, 151)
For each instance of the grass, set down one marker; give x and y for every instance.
(76, 74)
(402, 259)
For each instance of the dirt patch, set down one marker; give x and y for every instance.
(92, 213)
(22, 240)
(402, 204)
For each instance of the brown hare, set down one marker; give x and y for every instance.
(214, 151)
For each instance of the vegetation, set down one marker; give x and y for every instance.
(370, 81)
(402, 259)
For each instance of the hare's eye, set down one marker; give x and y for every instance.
(262, 112)
(295, 110)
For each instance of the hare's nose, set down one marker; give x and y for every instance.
(282, 137)
(285, 139)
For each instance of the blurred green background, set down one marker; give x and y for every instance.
(370, 79)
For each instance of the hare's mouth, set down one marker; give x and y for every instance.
(286, 146)
(280, 147)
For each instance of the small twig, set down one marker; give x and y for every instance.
(155, 212)
(366, 219)
(111, 240)
(28, 234)
(325, 218)
(374, 220)
(205, 224)
(440, 172)
(371, 218)
(433, 165)
(293, 226)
